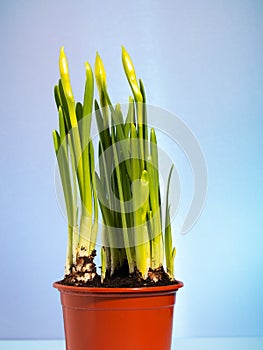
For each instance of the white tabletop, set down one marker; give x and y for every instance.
(178, 343)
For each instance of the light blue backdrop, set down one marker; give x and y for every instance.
(199, 59)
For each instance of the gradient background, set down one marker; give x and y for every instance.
(199, 59)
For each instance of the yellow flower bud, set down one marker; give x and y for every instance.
(64, 73)
(131, 75)
(100, 74)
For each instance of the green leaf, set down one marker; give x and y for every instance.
(145, 122)
(121, 190)
(79, 111)
(56, 140)
(169, 250)
(87, 105)
(62, 126)
(64, 105)
(135, 157)
(99, 118)
(130, 118)
(104, 205)
(88, 94)
(119, 116)
(142, 89)
(57, 96)
(94, 231)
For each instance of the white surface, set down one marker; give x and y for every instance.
(179, 343)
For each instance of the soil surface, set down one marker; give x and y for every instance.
(121, 278)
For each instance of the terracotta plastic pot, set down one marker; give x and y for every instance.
(118, 318)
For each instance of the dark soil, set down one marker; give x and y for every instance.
(123, 279)
(135, 280)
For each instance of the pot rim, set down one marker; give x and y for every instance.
(101, 290)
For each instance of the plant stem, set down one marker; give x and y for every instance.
(122, 209)
(142, 247)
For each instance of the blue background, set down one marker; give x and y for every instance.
(199, 59)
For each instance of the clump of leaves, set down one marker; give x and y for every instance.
(126, 186)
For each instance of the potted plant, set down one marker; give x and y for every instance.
(129, 304)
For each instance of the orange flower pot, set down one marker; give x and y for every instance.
(118, 318)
